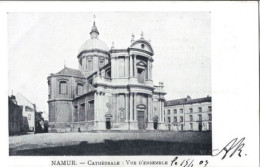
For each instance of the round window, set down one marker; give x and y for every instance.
(142, 46)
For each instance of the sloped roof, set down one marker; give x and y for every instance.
(187, 101)
(70, 72)
(22, 100)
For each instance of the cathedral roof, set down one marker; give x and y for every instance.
(94, 43)
(70, 72)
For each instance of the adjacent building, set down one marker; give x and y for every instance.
(15, 117)
(111, 89)
(28, 110)
(189, 114)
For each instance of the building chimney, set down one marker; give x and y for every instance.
(13, 99)
(188, 97)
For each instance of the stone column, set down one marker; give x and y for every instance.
(163, 111)
(116, 67)
(78, 112)
(99, 105)
(103, 106)
(152, 106)
(72, 113)
(149, 108)
(148, 69)
(116, 106)
(135, 70)
(126, 107)
(131, 66)
(131, 106)
(151, 71)
(95, 106)
(160, 113)
(112, 67)
(86, 108)
(135, 115)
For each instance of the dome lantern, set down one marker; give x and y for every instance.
(94, 31)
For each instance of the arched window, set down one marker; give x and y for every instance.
(79, 89)
(108, 74)
(141, 71)
(63, 87)
(101, 62)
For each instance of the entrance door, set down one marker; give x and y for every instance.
(155, 122)
(155, 125)
(200, 126)
(140, 119)
(108, 123)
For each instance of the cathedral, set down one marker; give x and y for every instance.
(111, 90)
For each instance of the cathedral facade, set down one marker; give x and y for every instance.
(112, 89)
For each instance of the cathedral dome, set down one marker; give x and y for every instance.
(94, 42)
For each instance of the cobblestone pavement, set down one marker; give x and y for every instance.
(47, 140)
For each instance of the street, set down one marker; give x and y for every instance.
(112, 143)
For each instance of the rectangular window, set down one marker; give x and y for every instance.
(29, 116)
(82, 112)
(191, 110)
(169, 119)
(175, 119)
(191, 126)
(76, 114)
(175, 111)
(210, 126)
(82, 106)
(169, 112)
(200, 109)
(210, 117)
(200, 117)
(181, 126)
(89, 65)
(181, 118)
(91, 104)
(121, 67)
(63, 87)
(181, 110)
(209, 108)
(79, 89)
(191, 118)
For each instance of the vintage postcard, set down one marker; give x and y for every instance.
(131, 84)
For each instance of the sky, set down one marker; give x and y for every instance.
(41, 43)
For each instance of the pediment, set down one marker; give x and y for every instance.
(141, 106)
(142, 45)
(141, 63)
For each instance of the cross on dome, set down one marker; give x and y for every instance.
(94, 31)
(142, 35)
(133, 38)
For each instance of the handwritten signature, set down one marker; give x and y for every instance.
(234, 147)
